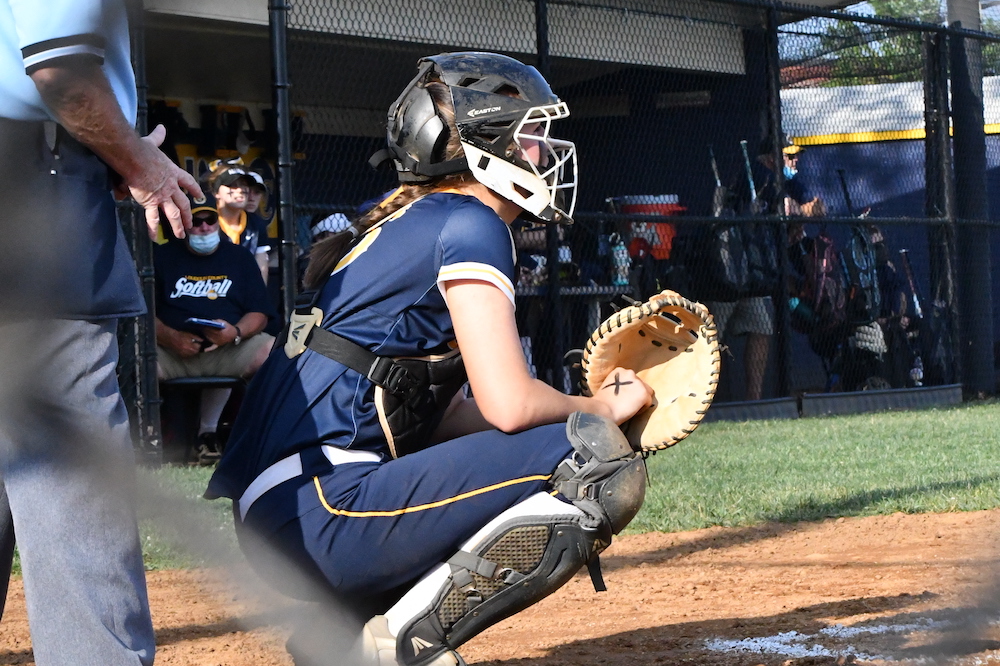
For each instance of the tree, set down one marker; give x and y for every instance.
(856, 53)
(865, 53)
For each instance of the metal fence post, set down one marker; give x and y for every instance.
(971, 206)
(554, 297)
(542, 36)
(147, 408)
(278, 20)
(940, 199)
(783, 342)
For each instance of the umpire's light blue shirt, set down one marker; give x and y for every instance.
(36, 33)
(95, 277)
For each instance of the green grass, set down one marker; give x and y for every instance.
(738, 474)
(729, 474)
(177, 526)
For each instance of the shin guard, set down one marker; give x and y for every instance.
(528, 551)
(522, 556)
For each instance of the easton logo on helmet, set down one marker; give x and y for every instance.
(478, 112)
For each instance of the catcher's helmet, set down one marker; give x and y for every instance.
(503, 112)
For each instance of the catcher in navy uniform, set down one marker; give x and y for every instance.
(357, 456)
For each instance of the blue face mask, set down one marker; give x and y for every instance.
(204, 244)
(790, 172)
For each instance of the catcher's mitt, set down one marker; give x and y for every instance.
(672, 345)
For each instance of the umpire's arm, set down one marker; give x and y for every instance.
(80, 96)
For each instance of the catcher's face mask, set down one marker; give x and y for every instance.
(503, 112)
(537, 172)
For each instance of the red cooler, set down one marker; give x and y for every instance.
(660, 235)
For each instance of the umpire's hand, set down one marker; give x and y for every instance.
(82, 100)
(162, 184)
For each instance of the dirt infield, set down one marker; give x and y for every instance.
(894, 589)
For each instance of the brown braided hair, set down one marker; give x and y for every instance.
(325, 255)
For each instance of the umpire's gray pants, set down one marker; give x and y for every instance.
(67, 464)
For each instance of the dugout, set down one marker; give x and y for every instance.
(651, 85)
(875, 134)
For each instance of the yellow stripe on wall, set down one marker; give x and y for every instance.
(858, 137)
(871, 137)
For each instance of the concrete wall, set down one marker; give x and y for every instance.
(678, 36)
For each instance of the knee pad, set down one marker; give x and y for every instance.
(522, 556)
(604, 476)
(528, 551)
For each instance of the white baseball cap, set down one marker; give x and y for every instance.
(333, 223)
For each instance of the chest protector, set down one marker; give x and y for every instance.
(411, 394)
(409, 419)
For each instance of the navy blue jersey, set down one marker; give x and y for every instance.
(223, 285)
(798, 190)
(386, 295)
(255, 237)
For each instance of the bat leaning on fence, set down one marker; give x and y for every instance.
(917, 371)
(755, 205)
(720, 195)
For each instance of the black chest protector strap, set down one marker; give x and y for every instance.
(304, 331)
(381, 370)
(411, 394)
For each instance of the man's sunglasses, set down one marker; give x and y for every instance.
(199, 221)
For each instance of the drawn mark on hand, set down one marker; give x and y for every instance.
(618, 383)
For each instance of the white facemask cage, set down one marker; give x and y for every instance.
(557, 163)
(534, 187)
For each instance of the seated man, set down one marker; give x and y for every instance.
(207, 277)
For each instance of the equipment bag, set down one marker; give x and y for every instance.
(764, 270)
(741, 260)
(818, 304)
(863, 299)
(727, 272)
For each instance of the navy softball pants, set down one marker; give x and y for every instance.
(367, 529)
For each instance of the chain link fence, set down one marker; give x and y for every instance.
(816, 178)
(679, 111)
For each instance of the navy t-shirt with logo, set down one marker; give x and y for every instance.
(223, 285)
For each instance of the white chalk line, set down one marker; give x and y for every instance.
(796, 644)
